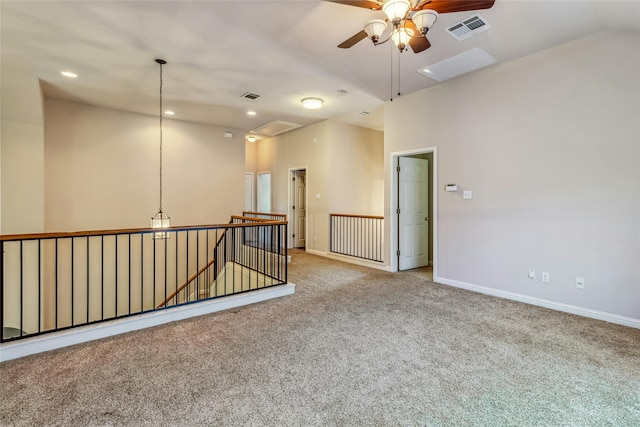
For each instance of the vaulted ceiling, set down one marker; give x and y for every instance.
(282, 50)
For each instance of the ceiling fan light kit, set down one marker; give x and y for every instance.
(407, 17)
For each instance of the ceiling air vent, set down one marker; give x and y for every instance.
(275, 128)
(250, 95)
(469, 27)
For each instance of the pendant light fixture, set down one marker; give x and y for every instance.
(161, 219)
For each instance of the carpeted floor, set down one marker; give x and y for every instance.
(353, 346)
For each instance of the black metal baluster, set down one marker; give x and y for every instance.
(197, 264)
(56, 282)
(88, 282)
(102, 277)
(176, 298)
(21, 292)
(116, 273)
(129, 296)
(39, 286)
(72, 280)
(142, 273)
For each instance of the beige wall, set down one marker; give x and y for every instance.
(344, 167)
(101, 169)
(21, 153)
(549, 145)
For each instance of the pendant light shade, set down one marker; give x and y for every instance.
(396, 10)
(375, 28)
(401, 36)
(424, 19)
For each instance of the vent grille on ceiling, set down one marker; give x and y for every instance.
(250, 95)
(276, 128)
(469, 27)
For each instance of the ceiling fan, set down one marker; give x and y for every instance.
(410, 19)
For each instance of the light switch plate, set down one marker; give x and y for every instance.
(467, 194)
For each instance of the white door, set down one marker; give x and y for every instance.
(413, 216)
(298, 208)
(248, 192)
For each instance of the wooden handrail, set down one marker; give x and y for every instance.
(245, 213)
(54, 235)
(357, 216)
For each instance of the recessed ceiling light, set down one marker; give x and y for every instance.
(251, 113)
(170, 113)
(69, 74)
(312, 103)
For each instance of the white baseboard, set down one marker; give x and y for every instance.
(349, 259)
(54, 340)
(567, 308)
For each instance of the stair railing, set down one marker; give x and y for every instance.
(359, 236)
(56, 281)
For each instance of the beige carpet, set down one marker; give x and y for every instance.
(353, 346)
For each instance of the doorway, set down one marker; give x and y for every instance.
(264, 192)
(413, 224)
(298, 207)
(248, 191)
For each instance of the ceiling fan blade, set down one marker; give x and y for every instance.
(373, 5)
(418, 43)
(448, 6)
(353, 40)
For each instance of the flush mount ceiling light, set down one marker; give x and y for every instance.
(69, 74)
(312, 103)
(169, 113)
(251, 138)
(251, 113)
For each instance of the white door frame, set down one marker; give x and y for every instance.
(306, 203)
(393, 205)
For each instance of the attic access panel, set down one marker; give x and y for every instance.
(276, 128)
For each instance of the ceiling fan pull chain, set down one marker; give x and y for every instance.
(391, 72)
(399, 56)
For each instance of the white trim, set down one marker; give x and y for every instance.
(558, 306)
(393, 196)
(55, 340)
(350, 260)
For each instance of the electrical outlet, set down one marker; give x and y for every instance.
(580, 282)
(545, 277)
(532, 274)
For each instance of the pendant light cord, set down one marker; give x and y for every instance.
(160, 137)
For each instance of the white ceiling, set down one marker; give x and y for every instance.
(282, 50)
